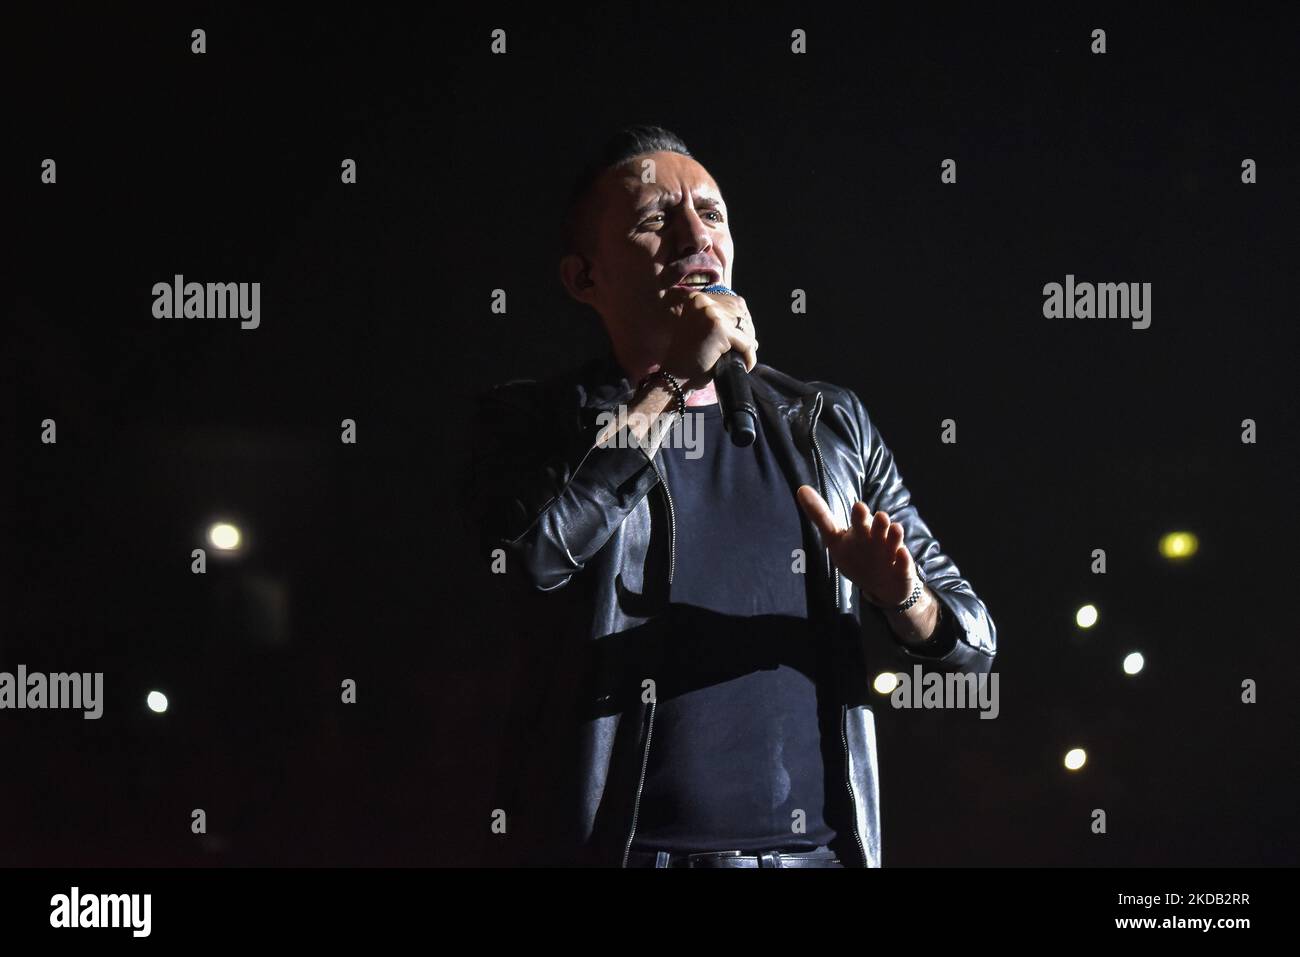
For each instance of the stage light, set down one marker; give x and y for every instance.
(1177, 546)
(1075, 758)
(157, 702)
(224, 536)
(1086, 616)
(1133, 663)
(885, 682)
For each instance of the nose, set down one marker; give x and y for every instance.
(692, 235)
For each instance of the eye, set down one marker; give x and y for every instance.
(714, 212)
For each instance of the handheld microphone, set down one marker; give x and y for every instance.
(735, 397)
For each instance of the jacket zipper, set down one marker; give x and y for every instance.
(848, 780)
(835, 585)
(672, 523)
(821, 481)
(640, 785)
(650, 724)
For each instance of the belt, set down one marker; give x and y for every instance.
(822, 857)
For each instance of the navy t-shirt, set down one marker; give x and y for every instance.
(737, 744)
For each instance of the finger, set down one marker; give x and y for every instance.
(879, 526)
(861, 516)
(716, 297)
(742, 313)
(907, 565)
(746, 320)
(677, 294)
(713, 308)
(734, 325)
(746, 345)
(734, 304)
(894, 537)
(818, 511)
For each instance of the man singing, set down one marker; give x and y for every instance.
(699, 605)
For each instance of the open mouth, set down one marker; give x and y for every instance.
(699, 278)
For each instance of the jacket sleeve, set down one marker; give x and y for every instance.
(542, 489)
(966, 639)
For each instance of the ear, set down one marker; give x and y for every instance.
(575, 274)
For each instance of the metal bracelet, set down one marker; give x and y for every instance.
(912, 599)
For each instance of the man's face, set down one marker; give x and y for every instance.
(648, 237)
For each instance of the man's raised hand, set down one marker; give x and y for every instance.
(870, 553)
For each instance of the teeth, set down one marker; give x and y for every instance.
(697, 280)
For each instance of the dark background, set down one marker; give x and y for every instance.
(924, 298)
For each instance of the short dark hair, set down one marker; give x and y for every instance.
(628, 142)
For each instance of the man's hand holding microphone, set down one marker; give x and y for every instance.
(706, 328)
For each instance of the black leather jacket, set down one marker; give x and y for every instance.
(591, 531)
